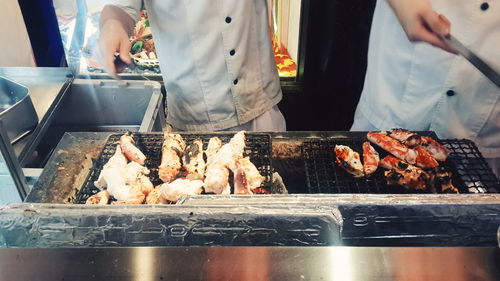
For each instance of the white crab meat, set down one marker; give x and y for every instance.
(180, 188)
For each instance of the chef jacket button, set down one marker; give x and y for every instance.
(450, 93)
(232, 52)
(485, 6)
(235, 81)
(228, 19)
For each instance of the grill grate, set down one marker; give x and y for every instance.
(470, 166)
(258, 148)
(471, 174)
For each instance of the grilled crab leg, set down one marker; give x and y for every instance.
(172, 151)
(349, 160)
(409, 177)
(131, 151)
(405, 137)
(100, 198)
(247, 177)
(393, 146)
(194, 164)
(391, 162)
(370, 159)
(437, 150)
(424, 158)
(216, 177)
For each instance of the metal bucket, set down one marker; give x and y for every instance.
(16, 110)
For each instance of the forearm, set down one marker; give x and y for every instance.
(112, 12)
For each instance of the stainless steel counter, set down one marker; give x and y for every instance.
(251, 263)
(45, 89)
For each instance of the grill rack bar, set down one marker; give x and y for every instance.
(258, 148)
(471, 173)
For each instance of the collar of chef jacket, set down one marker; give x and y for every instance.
(420, 87)
(216, 59)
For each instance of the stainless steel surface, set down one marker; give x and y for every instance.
(16, 110)
(102, 105)
(368, 219)
(13, 187)
(250, 263)
(480, 64)
(46, 87)
(108, 103)
(67, 225)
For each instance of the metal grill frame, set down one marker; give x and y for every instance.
(471, 173)
(258, 148)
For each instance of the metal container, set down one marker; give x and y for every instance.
(107, 105)
(16, 110)
(102, 106)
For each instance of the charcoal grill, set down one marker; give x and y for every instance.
(471, 174)
(258, 148)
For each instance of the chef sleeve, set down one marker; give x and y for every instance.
(131, 7)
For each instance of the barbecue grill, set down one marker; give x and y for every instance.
(258, 148)
(471, 173)
(324, 204)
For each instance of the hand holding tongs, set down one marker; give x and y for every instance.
(481, 65)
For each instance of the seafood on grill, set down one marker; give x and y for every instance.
(172, 151)
(127, 145)
(349, 160)
(411, 139)
(424, 158)
(113, 178)
(214, 144)
(409, 177)
(100, 198)
(405, 137)
(442, 180)
(391, 162)
(371, 159)
(246, 177)
(437, 179)
(437, 150)
(428, 151)
(194, 164)
(217, 173)
(412, 162)
(217, 179)
(153, 197)
(137, 177)
(393, 146)
(172, 192)
(184, 170)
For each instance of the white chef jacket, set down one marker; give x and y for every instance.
(217, 60)
(419, 87)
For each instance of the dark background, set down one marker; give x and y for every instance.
(336, 36)
(335, 66)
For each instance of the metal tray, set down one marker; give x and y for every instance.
(471, 173)
(258, 148)
(102, 106)
(16, 110)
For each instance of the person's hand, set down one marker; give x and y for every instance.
(113, 39)
(421, 23)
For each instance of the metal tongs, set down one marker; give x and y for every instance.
(481, 65)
